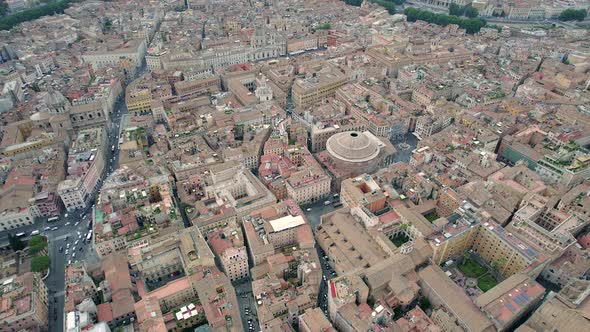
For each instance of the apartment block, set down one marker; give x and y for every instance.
(86, 162)
(24, 303)
(321, 81)
(228, 246)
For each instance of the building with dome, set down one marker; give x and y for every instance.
(352, 153)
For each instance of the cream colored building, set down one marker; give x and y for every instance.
(308, 186)
(24, 303)
(133, 50)
(86, 162)
(321, 81)
(235, 263)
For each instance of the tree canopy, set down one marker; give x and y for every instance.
(40, 263)
(356, 3)
(471, 25)
(57, 7)
(37, 243)
(456, 10)
(469, 11)
(325, 26)
(387, 4)
(15, 243)
(573, 15)
(3, 7)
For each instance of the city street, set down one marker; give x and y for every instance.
(247, 304)
(74, 228)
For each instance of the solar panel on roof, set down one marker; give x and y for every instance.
(510, 307)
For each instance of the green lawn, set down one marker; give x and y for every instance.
(486, 282)
(471, 268)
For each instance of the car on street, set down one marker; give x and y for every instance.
(68, 246)
(67, 223)
(77, 223)
(70, 262)
(67, 237)
(55, 228)
(47, 228)
(67, 251)
(81, 249)
(308, 209)
(61, 249)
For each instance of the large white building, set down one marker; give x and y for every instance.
(86, 162)
(133, 50)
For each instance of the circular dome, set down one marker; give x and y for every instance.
(352, 146)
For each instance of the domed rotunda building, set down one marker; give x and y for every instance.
(358, 152)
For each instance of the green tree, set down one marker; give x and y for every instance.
(36, 244)
(471, 25)
(57, 7)
(15, 243)
(325, 26)
(387, 4)
(40, 263)
(424, 303)
(356, 3)
(573, 15)
(471, 12)
(456, 10)
(3, 8)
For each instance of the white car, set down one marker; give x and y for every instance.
(68, 246)
(77, 223)
(67, 223)
(67, 251)
(70, 262)
(76, 243)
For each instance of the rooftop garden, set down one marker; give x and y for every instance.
(139, 233)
